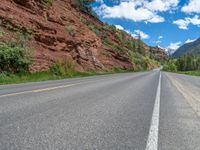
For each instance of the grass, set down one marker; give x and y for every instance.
(8, 78)
(193, 73)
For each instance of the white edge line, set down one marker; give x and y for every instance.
(152, 142)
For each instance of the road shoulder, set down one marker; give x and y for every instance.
(190, 91)
(179, 127)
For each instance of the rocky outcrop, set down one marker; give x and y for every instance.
(158, 53)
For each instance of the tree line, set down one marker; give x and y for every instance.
(184, 63)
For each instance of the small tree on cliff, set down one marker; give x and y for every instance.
(85, 5)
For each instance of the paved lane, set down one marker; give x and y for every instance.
(112, 112)
(102, 112)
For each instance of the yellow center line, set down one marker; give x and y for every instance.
(45, 89)
(53, 88)
(39, 90)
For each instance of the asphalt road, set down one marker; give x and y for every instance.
(136, 111)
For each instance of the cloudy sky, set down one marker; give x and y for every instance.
(167, 23)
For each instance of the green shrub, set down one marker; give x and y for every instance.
(132, 45)
(95, 29)
(121, 36)
(47, 3)
(111, 45)
(107, 42)
(84, 5)
(22, 38)
(142, 62)
(1, 32)
(14, 58)
(118, 48)
(57, 69)
(83, 20)
(110, 28)
(119, 70)
(170, 67)
(71, 30)
(65, 68)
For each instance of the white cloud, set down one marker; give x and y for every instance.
(138, 10)
(161, 5)
(184, 23)
(127, 10)
(156, 19)
(160, 37)
(174, 46)
(138, 33)
(192, 7)
(189, 40)
(119, 27)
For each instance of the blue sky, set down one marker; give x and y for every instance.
(167, 23)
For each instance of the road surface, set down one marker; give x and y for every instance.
(136, 111)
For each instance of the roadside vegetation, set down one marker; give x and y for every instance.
(187, 64)
(55, 73)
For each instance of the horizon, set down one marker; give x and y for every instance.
(178, 21)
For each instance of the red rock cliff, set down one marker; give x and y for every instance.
(60, 31)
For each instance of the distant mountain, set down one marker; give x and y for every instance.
(188, 48)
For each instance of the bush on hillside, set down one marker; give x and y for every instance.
(47, 2)
(71, 30)
(170, 67)
(65, 68)
(84, 5)
(96, 30)
(14, 58)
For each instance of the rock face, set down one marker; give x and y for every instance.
(158, 53)
(59, 32)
